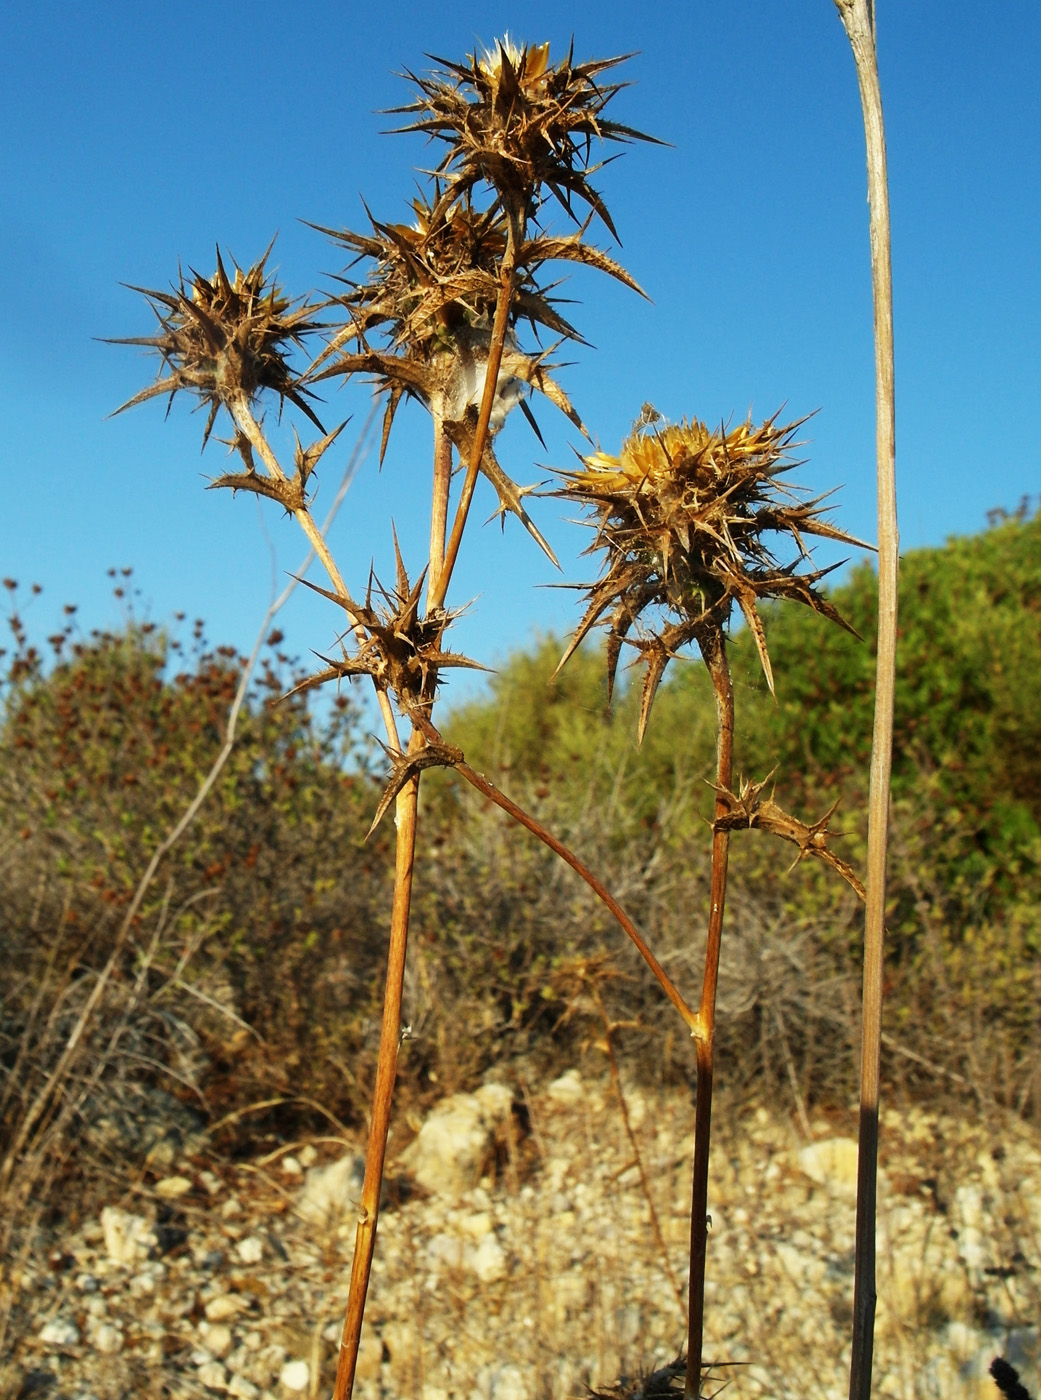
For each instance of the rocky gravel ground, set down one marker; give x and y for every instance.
(518, 1258)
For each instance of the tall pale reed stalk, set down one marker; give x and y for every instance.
(858, 18)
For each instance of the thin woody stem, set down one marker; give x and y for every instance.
(713, 649)
(390, 1033)
(439, 507)
(858, 18)
(503, 305)
(489, 790)
(386, 1073)
(242, 413)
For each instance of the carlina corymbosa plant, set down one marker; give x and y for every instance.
(686, 516)
(439, 319)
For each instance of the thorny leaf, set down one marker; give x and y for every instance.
(750, 809)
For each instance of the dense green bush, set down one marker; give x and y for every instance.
(965, 866)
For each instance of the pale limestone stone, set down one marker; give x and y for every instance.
(59, 1333)
(224, 1307)
(512, 1382)
(477, 1225)
(217, 1337)
(173, 1187)
(107, 1339)
(250, 1250)
(128, 1238)
(295, 1375)
(488, 1260)
(213, 1375)
(568, 1089)
(330, 1194)
(831, 1163)
(243, 1388)
(455, 1139)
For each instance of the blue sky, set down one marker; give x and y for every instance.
(140, 134)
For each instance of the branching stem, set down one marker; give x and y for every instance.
(503, 306)
(713, 649)
(530, 823)
(386, 1073)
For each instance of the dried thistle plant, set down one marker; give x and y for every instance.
(682, 514)
(440, 319)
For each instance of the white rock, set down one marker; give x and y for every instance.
(128, 1238)
(295, 1375)
(308, 1156)
(831, 1163)
(171, 1187)
(331, 1193)
(244, 1389)
(488, 1260)
(512, 1382)
(59, 1333)
(213, 1375)
(141, 1285)
(217, 1338)
(477, 1225)
(107, 1339)
(224, 1307)
(447, 1250)
(291, 1166)
(568, 1088)
(454, 1141)
(250, 1250)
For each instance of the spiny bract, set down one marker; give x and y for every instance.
(223, 337)
(682, 512)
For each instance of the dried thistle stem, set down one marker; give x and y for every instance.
(503, 306)
(713, 649)
(489, 790)
(242, 413)
(616, 1079)
(386, 1073)
(439, 507)
(858, 18)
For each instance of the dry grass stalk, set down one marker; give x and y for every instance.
(858, 18)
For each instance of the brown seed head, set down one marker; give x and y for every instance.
(226, 336)
(682, 513)
(512, 119)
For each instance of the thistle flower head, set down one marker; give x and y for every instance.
(226, 336)
(683, 512)
(512, 119)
